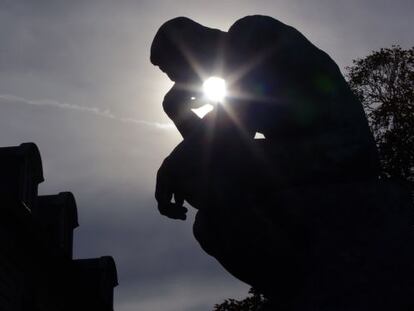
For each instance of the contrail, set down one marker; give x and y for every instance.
(93, 110)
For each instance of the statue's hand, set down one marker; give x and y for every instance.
(177, 105)
(164, 192)
(173, 210)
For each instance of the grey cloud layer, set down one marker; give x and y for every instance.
(12, 99)
(110, 167)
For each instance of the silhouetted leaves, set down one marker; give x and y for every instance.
(254, 302)
(384, 83)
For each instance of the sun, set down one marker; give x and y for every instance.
(214, 89)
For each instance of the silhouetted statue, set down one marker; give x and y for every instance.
(300, 215)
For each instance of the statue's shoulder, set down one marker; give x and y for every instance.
(257, 32)
(257, 23)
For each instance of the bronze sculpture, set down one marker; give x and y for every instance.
(302, 214)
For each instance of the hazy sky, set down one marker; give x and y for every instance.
(75, 78)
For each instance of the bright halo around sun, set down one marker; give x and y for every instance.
(215, 89)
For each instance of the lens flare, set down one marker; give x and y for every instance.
(215, 89)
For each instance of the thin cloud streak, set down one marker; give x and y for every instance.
(7, 98)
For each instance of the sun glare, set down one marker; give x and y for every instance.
(215, 89)
(202, 111)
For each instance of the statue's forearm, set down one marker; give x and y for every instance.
(185, 157)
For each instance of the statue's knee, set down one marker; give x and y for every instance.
(199, 229)
(170, 108)
(204, 232)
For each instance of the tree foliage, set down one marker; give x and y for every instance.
(254, 302)
(384, 83)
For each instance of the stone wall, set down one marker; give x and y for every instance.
(37, 270)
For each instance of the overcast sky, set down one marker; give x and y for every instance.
(75, 78)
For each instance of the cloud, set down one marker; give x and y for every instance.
(188, 293)
(110, 167)
(12, 99)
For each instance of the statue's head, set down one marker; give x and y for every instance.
(183, 48)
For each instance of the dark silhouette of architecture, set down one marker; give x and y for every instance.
(37, 270)
(302, 215)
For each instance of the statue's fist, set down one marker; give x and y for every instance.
(164, 192)
(173, 210)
